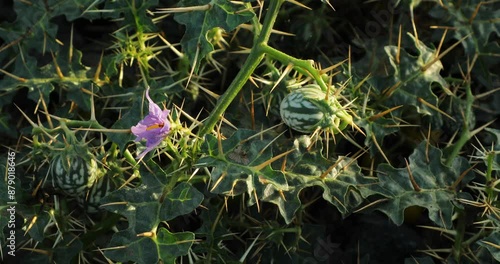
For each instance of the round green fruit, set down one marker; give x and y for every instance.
(307, 109)
(72, 174)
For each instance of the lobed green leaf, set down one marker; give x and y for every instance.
(433, 187)
(218, 13)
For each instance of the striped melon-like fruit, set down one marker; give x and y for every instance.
(73, 173)
(307, 109)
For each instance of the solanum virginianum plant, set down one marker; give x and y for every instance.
(206, 131)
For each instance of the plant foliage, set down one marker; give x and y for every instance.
(399, 162)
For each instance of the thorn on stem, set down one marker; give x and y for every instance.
(412, 180)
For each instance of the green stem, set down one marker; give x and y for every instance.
(466, 133)
(490, 159)
(457, 147)
(82, 123)
(255, 23)
(459, 237)
(254, 58)
(305, 67)
(65, 124)
(464, 137)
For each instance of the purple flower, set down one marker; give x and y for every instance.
(154, 127)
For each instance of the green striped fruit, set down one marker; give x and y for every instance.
(72, 173)
(307, 109)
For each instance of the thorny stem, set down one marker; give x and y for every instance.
(464, 138)
(67, 123)
(257, 53)
(457, 251)
(459, 237)
(303, 66)
(254, 58)
(255, 23)
(466, 133)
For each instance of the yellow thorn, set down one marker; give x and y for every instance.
(98, 69)
(282, 195)
(267, 162)
(430, 63)
(380, 149)
(287, 70)
(412, 179)
(323, 71)
(388, 92)
(256, 200)
(222, 176)
(441, 42)
(323, 176)
(58, 69)
(299, 4)
(398, 54)
(27, 118)
(13, 76)
(49, 120)
(421, 100)
(70, 52)
(146, 234)
(379, 115)
(33, 221)
(461, 177)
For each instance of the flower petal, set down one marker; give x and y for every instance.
(154, 127)
(154, 109)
